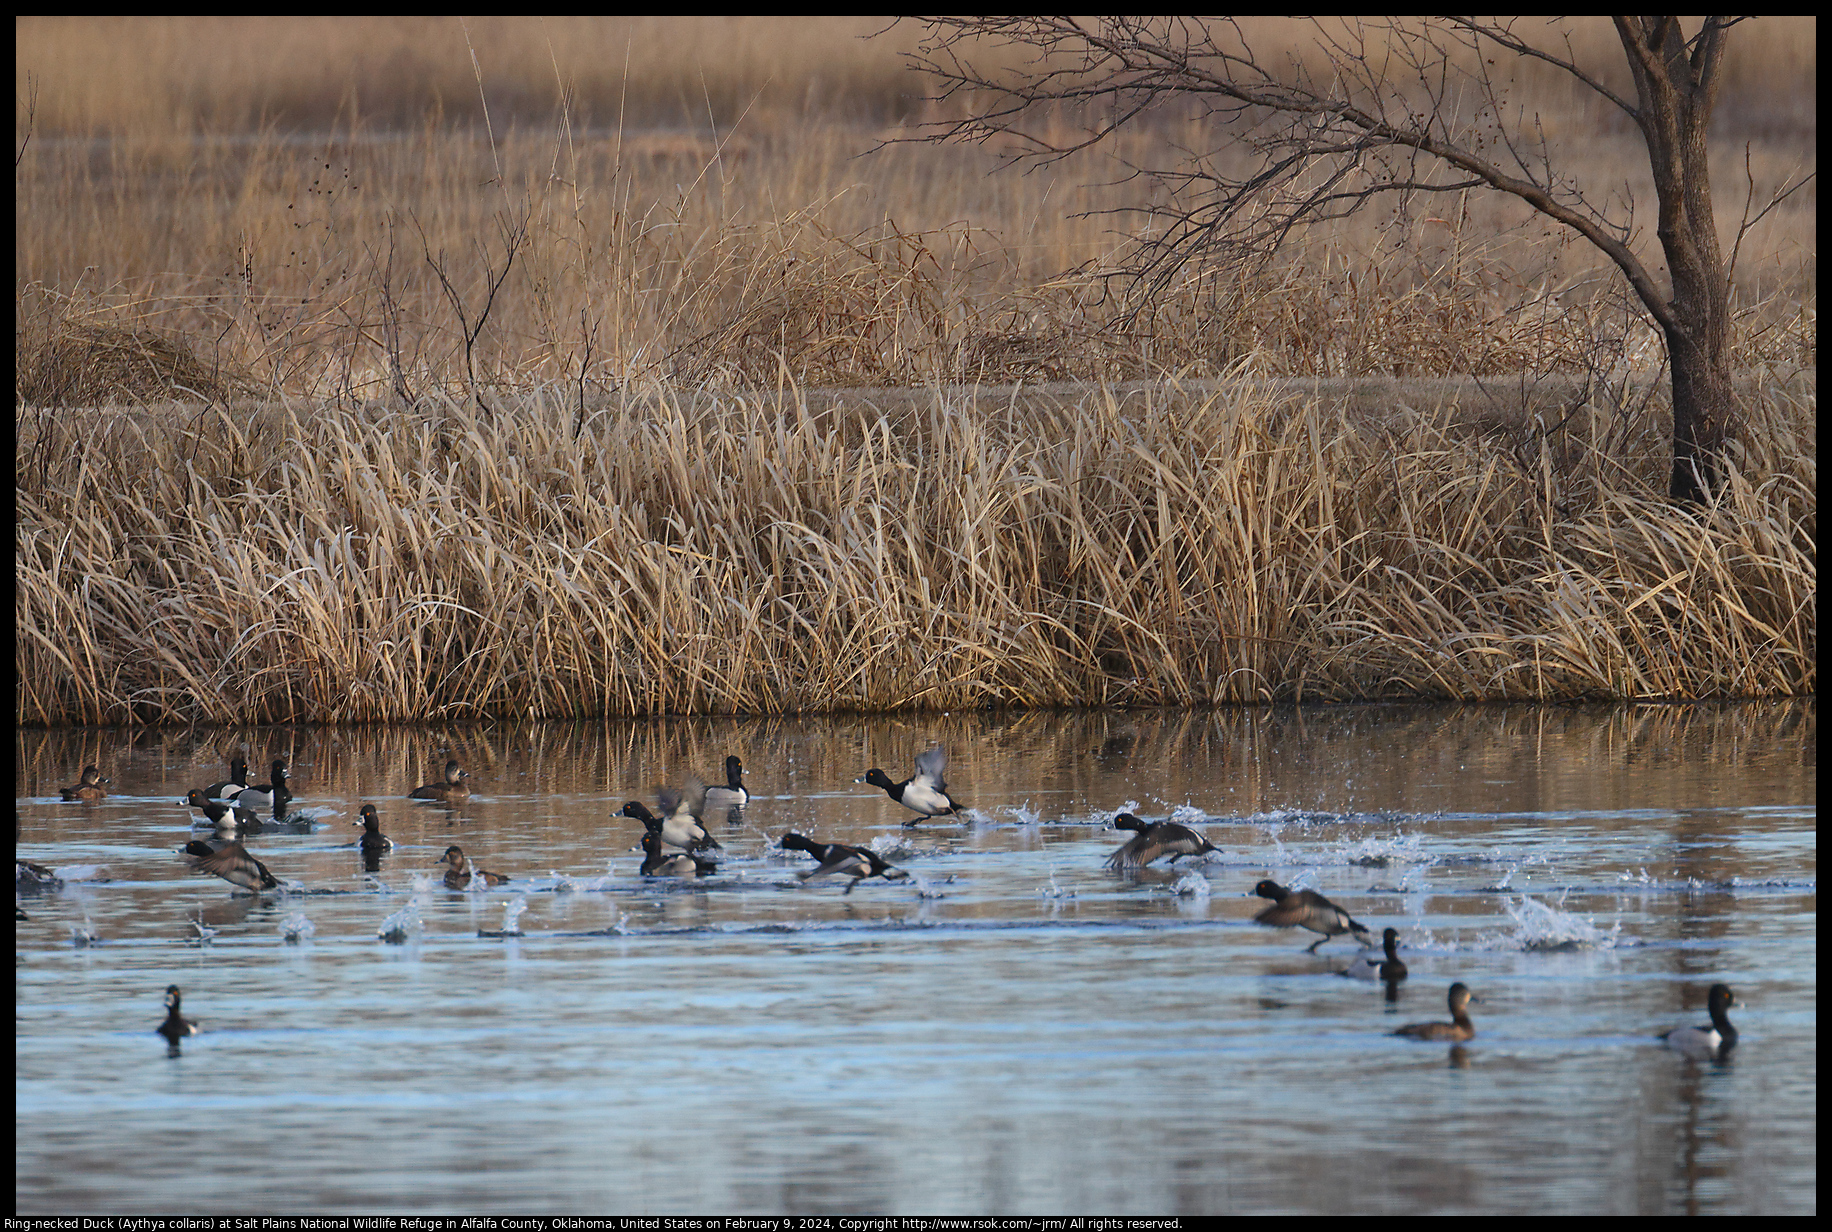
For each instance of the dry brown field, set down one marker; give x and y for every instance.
(380, 369)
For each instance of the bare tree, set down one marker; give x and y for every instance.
(1399, 108)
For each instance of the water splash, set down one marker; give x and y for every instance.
(1052, 890)
(204, 931)
(296, 928)
(512, 914)
(562, 884)
(403, 926)
(1192, 886)
(83, 935)
(1540, 927)
(888, 845)
(1386, 852)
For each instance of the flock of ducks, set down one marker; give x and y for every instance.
(675, 841)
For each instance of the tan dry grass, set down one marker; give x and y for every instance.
(758, 235)
(632, 496)
(767, 552)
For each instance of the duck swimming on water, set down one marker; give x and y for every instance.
(1713, 1041)
(1458, 1029)
(458, 875)
(1390, 968)
(453, 788)
(176, 1026)
(88, 785)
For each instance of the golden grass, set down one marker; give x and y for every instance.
(770, 551)
(279, 229)
(646, 482)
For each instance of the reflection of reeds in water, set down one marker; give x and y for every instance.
(757, 554)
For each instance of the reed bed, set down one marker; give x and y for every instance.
(669, 387)
(775, 550)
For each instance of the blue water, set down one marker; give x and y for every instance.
(1013, 1030)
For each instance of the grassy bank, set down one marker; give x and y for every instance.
(652, 390)
(778, 550)
(317, 208)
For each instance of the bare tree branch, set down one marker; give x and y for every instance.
(1330, 139)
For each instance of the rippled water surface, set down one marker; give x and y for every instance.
(1015, 1029)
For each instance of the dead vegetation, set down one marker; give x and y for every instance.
(771, 552)
(559, 420)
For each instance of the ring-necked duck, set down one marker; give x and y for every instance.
(658, 862)
(1390, 968)
(221, 814)
(856, 862)
(458, 876)
(176, 1026)
(454, 787)
(89, 786)
(924, 792)
(270, 794)
(232, 863)
(373, 841)
(732, 794)
(679, 825)
(1712, 1042)
(1164, 838)
(1305, 909)
(231, 787)
(1459, 1028)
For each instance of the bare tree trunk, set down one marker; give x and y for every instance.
(1677, 93)
(1395, 96)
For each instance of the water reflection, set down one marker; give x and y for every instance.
(1013, 1027)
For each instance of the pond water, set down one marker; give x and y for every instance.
(1015, 1029)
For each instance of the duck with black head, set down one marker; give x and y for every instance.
(176, 1026)
(1153, 840)
(1714, 1040)
(1368, 967)
(220, 815)
(269, 795)
(855, 862)
(732, 793)
(925, 792)
(658, 861)
(373, 843)
(231, 787)
(679, 824)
